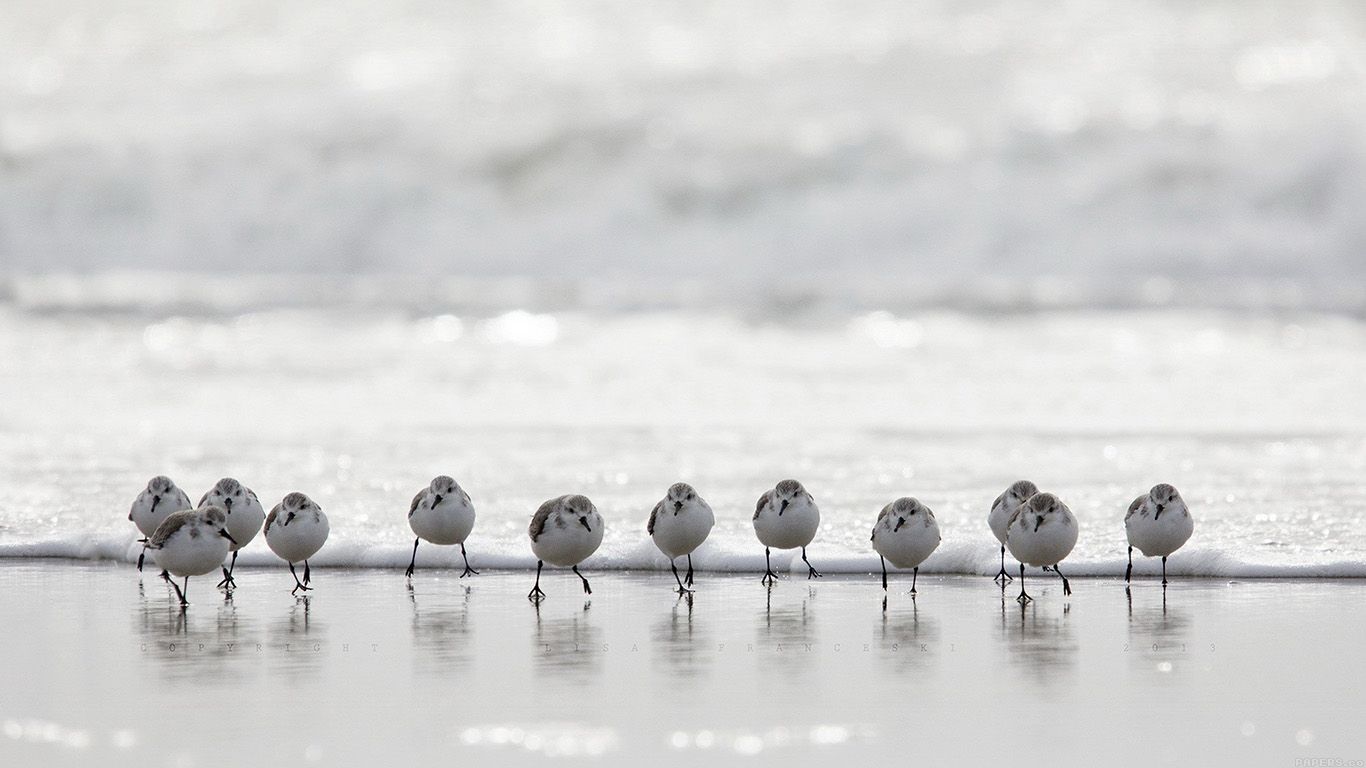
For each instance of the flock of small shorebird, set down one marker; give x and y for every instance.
(1039, 530)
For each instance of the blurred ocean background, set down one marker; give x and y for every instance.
(888, 248)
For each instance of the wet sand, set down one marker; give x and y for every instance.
(98, 667)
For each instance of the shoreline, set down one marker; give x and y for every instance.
(1081, 571)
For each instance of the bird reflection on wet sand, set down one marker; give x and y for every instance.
(907, 638)
(189, 646)
(570, 645)
(442, 630)
(681, 643)
(1157, 631)
(297, 642)
(785, 633)
(1038, 638)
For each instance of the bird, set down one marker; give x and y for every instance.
(1042, 532)
(153, 505)
(245, 516)
(191, 542)
(295, 530)
(678, 524)
(786, 518)
(442, 514)
(565, 531)
(1158, 523)
(1001, 509)
(905, 533)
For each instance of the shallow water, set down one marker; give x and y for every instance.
(367, 669)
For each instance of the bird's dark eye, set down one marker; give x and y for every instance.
(690, 495)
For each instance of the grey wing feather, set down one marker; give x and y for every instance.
(998, 501)
(1013, 517)
(760, 506)
(1136, 505)
(203, 499)
(270, 518)
(542, 515)
(654, 513)
(174, 522)
(416, 501)
(887, 510)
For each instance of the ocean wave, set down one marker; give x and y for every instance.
(620, 155)
(160, 294)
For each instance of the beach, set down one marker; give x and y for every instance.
(101, 666)
(1252, 662)
(890, 251)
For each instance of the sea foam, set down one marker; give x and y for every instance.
(730, 556)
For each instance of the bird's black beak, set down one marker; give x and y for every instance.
(900, 521)
(227, 504)
(783, 507)
(288, 517)
(1038, 521)
(678, 505)
(155, 501)
(437, 500)
(1159, 512)
(224, 533)
(584, 522)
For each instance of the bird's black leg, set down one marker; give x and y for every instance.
(298, 585)
(141, 556)
(914, 574)
(812, 573)
(307, 574)
(681, 589)
(769, 575)
(1130, 570)
(1024, 596)
(1003, 577)
(536, 595)
(408, 574)
(1164, 570)
(1066, 587)
(884, 572)
(179, 593)
(227, 581)
(587, 590)
(468, 570)
(688, 579)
